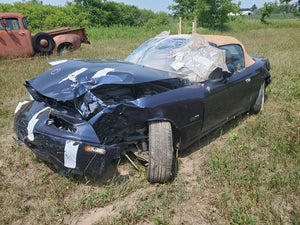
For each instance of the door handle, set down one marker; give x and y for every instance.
(248, 80)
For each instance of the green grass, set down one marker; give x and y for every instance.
(244, 25)
(273, 16)
(246, 172)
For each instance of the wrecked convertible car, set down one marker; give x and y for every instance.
(168, 93)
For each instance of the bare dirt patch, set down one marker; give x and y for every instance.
(198, 208)
(112, 209)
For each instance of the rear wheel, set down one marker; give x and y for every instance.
(258, 105)
(162, 159)
(64, 48)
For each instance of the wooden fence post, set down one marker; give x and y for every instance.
(179, 26)
(195, 25)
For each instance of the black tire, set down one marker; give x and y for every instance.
(258, 105)
(38, 47)
(162, 158)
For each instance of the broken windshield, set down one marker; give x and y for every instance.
(191, 55)
(155, 52)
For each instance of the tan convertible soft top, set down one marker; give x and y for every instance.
(227, 40)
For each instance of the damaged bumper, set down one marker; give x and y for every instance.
(65, 141)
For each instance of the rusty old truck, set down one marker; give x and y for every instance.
(16, 39)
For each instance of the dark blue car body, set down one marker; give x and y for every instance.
(106, 105)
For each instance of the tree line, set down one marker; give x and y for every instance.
(83, 13)
(95, 13)
(215, 13)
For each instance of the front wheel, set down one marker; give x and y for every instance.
(258, 105)
(162, 158)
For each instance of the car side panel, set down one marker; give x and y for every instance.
(229, 97)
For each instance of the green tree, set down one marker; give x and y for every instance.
(37, 2)
(253, 8)
(83, 13)
(285, 1)
(210, 13)
(144, 17)
(184, 8)
(286, 4)
(93, 3)
(266, 11)
(214, 13)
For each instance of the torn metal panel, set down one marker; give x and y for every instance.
(66, 144)
(78, 77)
(20, 105)
(32, 122)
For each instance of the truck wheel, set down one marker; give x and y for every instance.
(43, 42)
(64, 48)
(162, 159)
(258, 105)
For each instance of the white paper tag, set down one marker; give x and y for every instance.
(70, 154)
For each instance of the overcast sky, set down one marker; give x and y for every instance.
(154, 5)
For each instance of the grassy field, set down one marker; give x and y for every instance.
(273, 16)
(246, 172)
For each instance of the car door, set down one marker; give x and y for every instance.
(15, 39)
(227, 97)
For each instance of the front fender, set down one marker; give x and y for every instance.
(183, 108)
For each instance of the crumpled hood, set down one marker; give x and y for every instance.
(69, 79)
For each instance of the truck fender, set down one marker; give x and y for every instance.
(67, 41)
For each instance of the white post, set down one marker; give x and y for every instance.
(179, 26)
(195, 25)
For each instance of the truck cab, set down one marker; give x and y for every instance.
(15, 38)
(17, 41)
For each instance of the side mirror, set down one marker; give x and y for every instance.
(229, 72)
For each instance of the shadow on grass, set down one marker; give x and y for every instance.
(109, 176)
(212, 136)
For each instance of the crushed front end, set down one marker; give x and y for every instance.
(65, 141)
(85, 114)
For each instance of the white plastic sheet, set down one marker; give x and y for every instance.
(191, 55)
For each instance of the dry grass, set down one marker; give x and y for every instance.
(246, 172)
